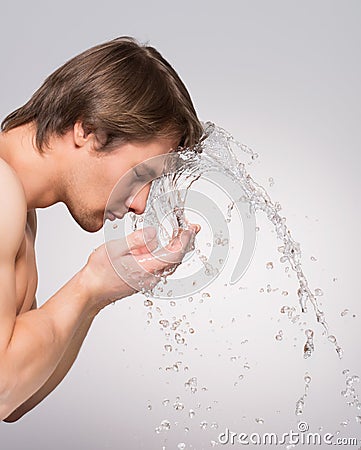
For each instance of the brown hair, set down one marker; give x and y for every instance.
(121, 91)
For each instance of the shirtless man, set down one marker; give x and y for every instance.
(95, 118)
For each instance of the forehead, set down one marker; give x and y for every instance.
(159, 146)
(142, 152)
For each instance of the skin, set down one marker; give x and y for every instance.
(39, 345)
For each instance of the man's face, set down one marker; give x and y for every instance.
(92, 177)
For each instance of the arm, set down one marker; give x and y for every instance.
(61, 370)
(31, 344)
(40, 345)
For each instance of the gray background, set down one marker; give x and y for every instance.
(284, 78)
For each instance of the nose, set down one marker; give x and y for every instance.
(137, 203)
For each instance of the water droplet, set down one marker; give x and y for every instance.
(203, 425)
(192, 384)
(165, 425)
(299, 406)
(178, 406)
(309, 346)
(309, 333)
(179, 339)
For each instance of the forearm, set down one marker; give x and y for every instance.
(39, 340)
(59, 373)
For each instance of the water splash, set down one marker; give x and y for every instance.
(219, 151)
(300, 404)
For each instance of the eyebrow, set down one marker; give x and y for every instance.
(149, 171)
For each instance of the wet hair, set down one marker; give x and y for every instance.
(121, 90)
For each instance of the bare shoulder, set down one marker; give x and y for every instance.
(13, 210)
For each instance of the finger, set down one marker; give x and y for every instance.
(139, 238)
(150, 246)
(172, 254)
(194, 226)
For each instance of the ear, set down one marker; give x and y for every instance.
(81, 137)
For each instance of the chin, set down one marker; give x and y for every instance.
(93, 226)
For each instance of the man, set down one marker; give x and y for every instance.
(94, 119)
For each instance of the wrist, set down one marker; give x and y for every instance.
(85, 281)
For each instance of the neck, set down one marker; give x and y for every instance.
(37, 172)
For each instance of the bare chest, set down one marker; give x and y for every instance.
(26, 275)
